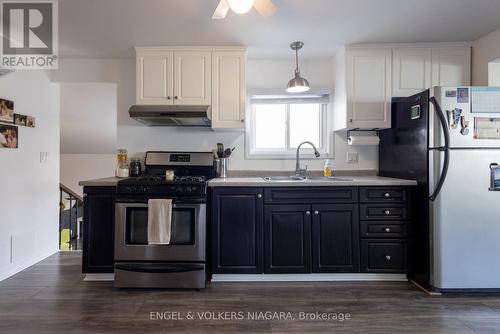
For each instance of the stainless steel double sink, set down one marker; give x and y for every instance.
(298, 178)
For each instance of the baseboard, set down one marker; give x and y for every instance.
(27, 263)
(99, 277)
(307, 277)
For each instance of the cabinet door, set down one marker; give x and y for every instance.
(411, 71)
(237, 222)
(335, 238)
(192, 77)
(98, 230)
(451, 66)
(287, 233)
(369, 88)
(155, 77)
(228, 90)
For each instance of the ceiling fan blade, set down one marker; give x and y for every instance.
(221, 10)
(266, 8)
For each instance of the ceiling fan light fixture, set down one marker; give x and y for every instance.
(241, 6)
(297, 84)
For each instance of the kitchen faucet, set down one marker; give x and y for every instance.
(299, 171)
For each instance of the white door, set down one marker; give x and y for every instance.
(192, 77)
(451, 66)
(228, 90)
(369, 88)
(466, 228)
(411, 71)
(155, 78)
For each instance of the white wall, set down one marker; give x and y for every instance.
(494, 73)
(88, 132)
(484, 50)
(29, 196)
(262, 74)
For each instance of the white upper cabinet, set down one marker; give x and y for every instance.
(451, 66)
(368, 88)
(411, 71)
(228, 89)
(213, 76)
(192, 77)
(155, 77)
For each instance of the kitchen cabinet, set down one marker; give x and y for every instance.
(192, 77)
(363, 88)
(236, 230)
(214, 76)
(287, 239)
(98, 229)
(451, 66)
(335, 238)
(411, 71)
(228, 90)
(155, 77)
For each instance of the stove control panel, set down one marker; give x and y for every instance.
(172, 190)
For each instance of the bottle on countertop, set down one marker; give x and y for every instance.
(327, 169)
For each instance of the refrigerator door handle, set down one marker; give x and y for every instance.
(445, 149)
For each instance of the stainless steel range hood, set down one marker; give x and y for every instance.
(174, 115)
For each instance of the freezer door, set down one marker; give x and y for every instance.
(451, 98)
(465, 223)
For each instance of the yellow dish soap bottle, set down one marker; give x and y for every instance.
(327, 169)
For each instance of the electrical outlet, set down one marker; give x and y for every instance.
(44, 157)
(352, 157)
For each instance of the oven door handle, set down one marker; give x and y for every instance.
(159, 268)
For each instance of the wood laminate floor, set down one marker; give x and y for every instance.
(50, 297)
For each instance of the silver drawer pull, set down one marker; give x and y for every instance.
(387, 195)
(387, 212)
(388, 257)
(308, 213)
(388, 229)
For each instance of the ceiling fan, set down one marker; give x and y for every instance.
(265, 7)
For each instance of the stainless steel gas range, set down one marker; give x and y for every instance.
(182, 262)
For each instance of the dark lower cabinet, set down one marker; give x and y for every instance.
(236, 230)
(335, 238)
(383, 256)
(287, 247)
(98, 229)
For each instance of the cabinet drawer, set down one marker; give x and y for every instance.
(385, 229)
(384, 195)
(383, 255)
(384, 212)
(307, 195)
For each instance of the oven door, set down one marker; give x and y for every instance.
(187, 242)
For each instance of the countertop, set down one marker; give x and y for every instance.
(106, 182)
(354, 180)
(336, 182)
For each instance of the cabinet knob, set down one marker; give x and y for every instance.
(316, 212)
(242, 121)
(168, 97)
(308, 213)
(176, 98)
(388, 257)
(387, 229)
(259, 195)
(387, 212)
(387, 195)
(350, 120)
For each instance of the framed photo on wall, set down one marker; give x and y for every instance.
(6, 111)
(8, 136)
(19, 119)
(30, 121)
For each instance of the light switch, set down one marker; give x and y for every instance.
(352, 157)
(44, 157)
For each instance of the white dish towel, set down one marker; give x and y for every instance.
(159, 221)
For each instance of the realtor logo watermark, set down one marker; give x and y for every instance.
(29, 34)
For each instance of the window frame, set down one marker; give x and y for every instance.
(289, 153)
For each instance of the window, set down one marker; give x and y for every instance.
(279, 125)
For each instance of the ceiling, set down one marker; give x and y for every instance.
(111, 28)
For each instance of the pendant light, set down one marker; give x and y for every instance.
(241, 6)
(297, 84)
